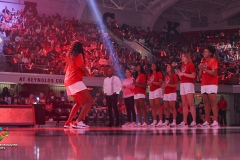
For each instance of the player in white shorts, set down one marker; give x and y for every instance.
(187, 75)
(170, 96)
(155, 94)
(209, 85)
(139, 96)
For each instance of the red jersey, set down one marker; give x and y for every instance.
(208, 79)
(188, 68)
(154, 77)
(222, 104)
(141, 79)
(74, 73)
(173, 79)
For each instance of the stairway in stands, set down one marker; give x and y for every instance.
(132, 46)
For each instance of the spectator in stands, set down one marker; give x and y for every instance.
(5, 10)
(24, 93)
(49, 109)
(5, 92)
(102, 61)
(222, 106)
(2, 101)
(63, 97)
(51, 94)
(200, 113)
(42, 98)
(57, 103)
(31, 100)
(16, 101)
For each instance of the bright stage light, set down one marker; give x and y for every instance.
(106, 41)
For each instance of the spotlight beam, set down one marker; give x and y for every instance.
(110, 48)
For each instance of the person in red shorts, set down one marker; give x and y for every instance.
(155, 80)
(187, 75)
(139, 95)
(170, 95)
(75, 69)
(208, 70)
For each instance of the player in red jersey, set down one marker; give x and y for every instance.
(75, 69)
(170, 95)
(155, 79)
(187, 75)
(140, 95)
(208, 70)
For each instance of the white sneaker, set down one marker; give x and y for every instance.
(193, 124)
(132, 124)
(126, 125)
(183, 125)
(144, 125)
(165, 124)
(214, 124)
(159, 124)
(153, 124)
(137, 125)
(205, 125)
(79, 125)
(66, 125)
(173, 124)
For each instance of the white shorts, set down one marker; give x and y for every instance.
(186, 88)
(209, 89)
(76, 87)
(170, 97)
(155, 94)
(138, 96)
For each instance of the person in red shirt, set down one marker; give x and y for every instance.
(187, 75)
(155, 94)
(170, 96)
(208, 70)
(222, 106)
(75, 69)
(139, 95)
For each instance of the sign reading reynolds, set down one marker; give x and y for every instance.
(40, 80)
(31, 78)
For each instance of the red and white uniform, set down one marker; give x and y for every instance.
(140, 92)
(74, 75)
(170, 92)
(209, 82)
(155, 77)
(155, 90)
(208, 79)
(187, 84)
(188, 68)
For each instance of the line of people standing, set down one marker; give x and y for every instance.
(134, 92)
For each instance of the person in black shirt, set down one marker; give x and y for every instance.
(200, 113)
(5, 10)
(5, 92)
(2, 101)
